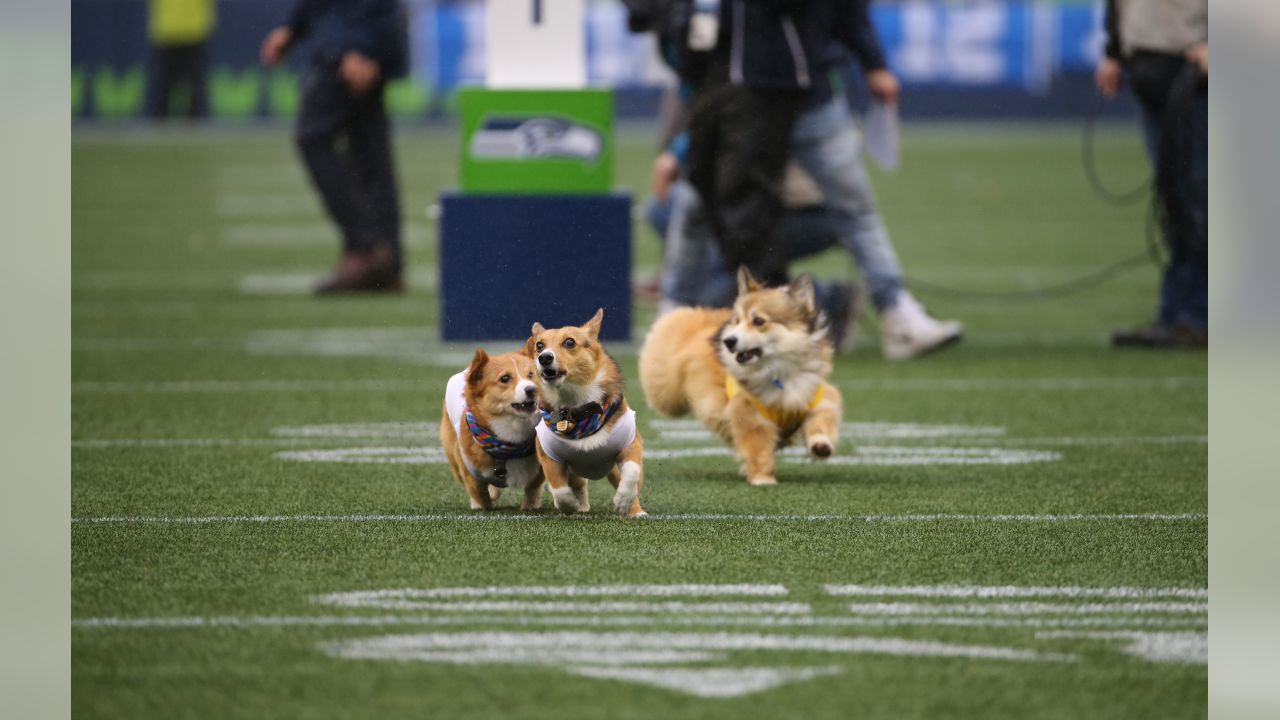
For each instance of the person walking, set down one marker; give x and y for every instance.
(343, 135)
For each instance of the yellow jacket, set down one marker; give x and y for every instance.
(180, 22)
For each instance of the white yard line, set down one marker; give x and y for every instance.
(352, 599)
(1028, 608)
(1191, 648)
(691, 517)
(229, 386)
(1013, 591)
(561, 606)
(250, 621)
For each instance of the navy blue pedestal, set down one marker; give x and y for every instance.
(507, 261)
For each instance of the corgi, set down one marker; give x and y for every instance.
(487, 429)
(587, 430)
(756, 373)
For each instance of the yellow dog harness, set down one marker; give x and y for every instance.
(787, 422)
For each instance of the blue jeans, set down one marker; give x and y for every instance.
(827, 145)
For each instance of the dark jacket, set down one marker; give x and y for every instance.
(375, 28)
(784, 44)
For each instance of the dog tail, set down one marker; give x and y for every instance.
(661, 368)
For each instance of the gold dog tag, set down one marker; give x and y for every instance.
(562, 426)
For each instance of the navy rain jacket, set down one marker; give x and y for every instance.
(375, 28)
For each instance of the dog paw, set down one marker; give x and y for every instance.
(763, 480)
(622, 501)
(564, 500)
(820, 447)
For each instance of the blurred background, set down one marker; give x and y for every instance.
(957, 59)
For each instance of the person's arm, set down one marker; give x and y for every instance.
(277, 43)
(1107, 76)
(856, 32)
(372, 23)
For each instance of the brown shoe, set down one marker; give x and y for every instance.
(1161, 337)
(367, 271)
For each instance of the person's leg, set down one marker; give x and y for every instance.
(684, 265)
(826, 145)
(369, 141)
(736, 164)
(198, 77)
(159, 81)
(322, 119)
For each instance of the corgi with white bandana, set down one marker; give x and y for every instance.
(587, 430)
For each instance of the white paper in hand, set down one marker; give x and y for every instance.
(880, 134)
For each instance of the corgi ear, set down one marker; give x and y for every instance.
(475, 371)
(528, 347)
(801, 290)
(746, 283)
(593, 325)
(537, 329)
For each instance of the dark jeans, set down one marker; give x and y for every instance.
(739, 141)
(178, 66)
(1175, 115)
(345, 141)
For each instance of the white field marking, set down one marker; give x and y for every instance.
(301, 283)
(249, 386)
(1014, 591)
(709, 682)
(186, 442)
(299, 234)
(360, 430)
(1027, 608)
(610, 620)
(405, 647)
(267, 205)
(850, 431)
(1191, 648)
(374, 455)
(1089, 440)
(530, 606)
(882, 455)
(418, 345)
(1022, 384)
(693, 517)
(896, 455)
(358, 597)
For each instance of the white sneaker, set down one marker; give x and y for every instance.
(907, 331)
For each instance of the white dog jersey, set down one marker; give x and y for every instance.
(591, 457)
(519, 470)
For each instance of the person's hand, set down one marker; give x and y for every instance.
(666, 168)
(275, 45)
(1107, 77)
(884, 86)
(360, 73)
(1199, 54)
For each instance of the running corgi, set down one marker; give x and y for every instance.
(487, 429)
(756, 374)
(587, 430)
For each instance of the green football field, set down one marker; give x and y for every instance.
(263, 525)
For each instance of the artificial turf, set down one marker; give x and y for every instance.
(202, 371)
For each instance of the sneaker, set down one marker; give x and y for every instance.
(1161, 337)
(907, 331)
(842, 303)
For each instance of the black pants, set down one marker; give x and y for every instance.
(174, 67)
(739, 142)
(345, 142)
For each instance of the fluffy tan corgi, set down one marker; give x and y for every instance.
(587, 430)
(756, 374)
(487, 429)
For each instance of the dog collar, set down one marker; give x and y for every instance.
(788, 421)
(494, 446)
(582, 421)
